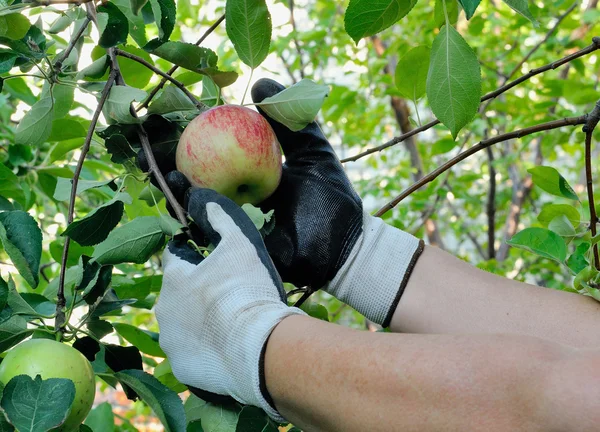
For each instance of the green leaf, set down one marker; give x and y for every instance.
(10, 186)
(140, 338)
(36, 125)
(451, 9)
(549, 180)
(368, 17)
(454, 80)
(165, 17)
(14, 26)
(20, 306)
(248, 24)
(577, 261)
(137, 26)
(253, 419)
(135, 74)
(118, 102)
(66, 129)
(296, 106)
(164, 402)
(96, 226)
(562, 226)
(551, 211)
(210, 93)
(99, 328)
(63, 98)
(112, 25)
(13, 329)
(4, 289)
(119, 148)
(97, 69)
(169, 225)
(315, 310)
(214, 418)
(521, 7)
(469, 6)
(136, 242)
(22, 240)
(542, 242)
(257, 216)
(164, 374)
(18, 88)
(170, 100)
(64, 186)
(101, 418)
(186, 55)
(7, 60)
(36, 405)
(137, 5)
(411, 72)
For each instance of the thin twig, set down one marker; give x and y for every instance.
(589, 49)
(65, 54)
(61, 301)
(491, 206)
(589, 127)
(555, 124)
(145, 142)
(171, 71)
(157, 71)
(543, 41)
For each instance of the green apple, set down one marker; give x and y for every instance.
(51, 359)
(233, 150)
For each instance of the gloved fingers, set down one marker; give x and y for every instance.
(294, 144)
(179, 247)
(220, 218)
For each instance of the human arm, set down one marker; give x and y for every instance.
(324, 377)
(459, 298)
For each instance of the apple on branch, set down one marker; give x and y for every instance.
(232, 150)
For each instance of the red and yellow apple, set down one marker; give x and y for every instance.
(233, 150)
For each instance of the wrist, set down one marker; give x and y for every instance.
(373, 278)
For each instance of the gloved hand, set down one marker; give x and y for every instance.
(215, 314)
(322, 237)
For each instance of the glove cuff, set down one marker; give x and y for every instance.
(373, 278)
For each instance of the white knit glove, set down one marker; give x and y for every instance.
(374, 276)
(216, 314)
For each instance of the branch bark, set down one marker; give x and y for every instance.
(178, 84)
(587, 50)
(555, 124)
(589, 127)
(61, 301)
(171, 71)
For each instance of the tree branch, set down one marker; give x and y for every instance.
(491, 207)
(165, 76)
(65, 54)
(555, 124)
(171, 71)
(588, 128)
(153, 166)
(61, 301)
(587, 50)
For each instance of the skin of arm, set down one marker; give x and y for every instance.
(458, 298)
(325, 377)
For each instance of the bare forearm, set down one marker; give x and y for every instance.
(325, 377)
(448, 295)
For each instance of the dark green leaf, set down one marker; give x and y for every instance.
(113, 25)
(119, 149)
(13, 329)
(10, 186)
(3, 293)
(137, 27)
(96, 225)
(164, 402)
(469, 6)
(99, 328)
(368, 17)
(548, 179)
(22, 240)
(134, 242)
(451, 11)
(541, 242)
(521, 7)
(20, 306)
(454, 80)
(253, 419)
(36, 405)
(248, 24)
(186, 55)
(165, 16)
(7, 60)
(137, 5)
(98, 287)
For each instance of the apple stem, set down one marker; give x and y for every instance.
(247, 86)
